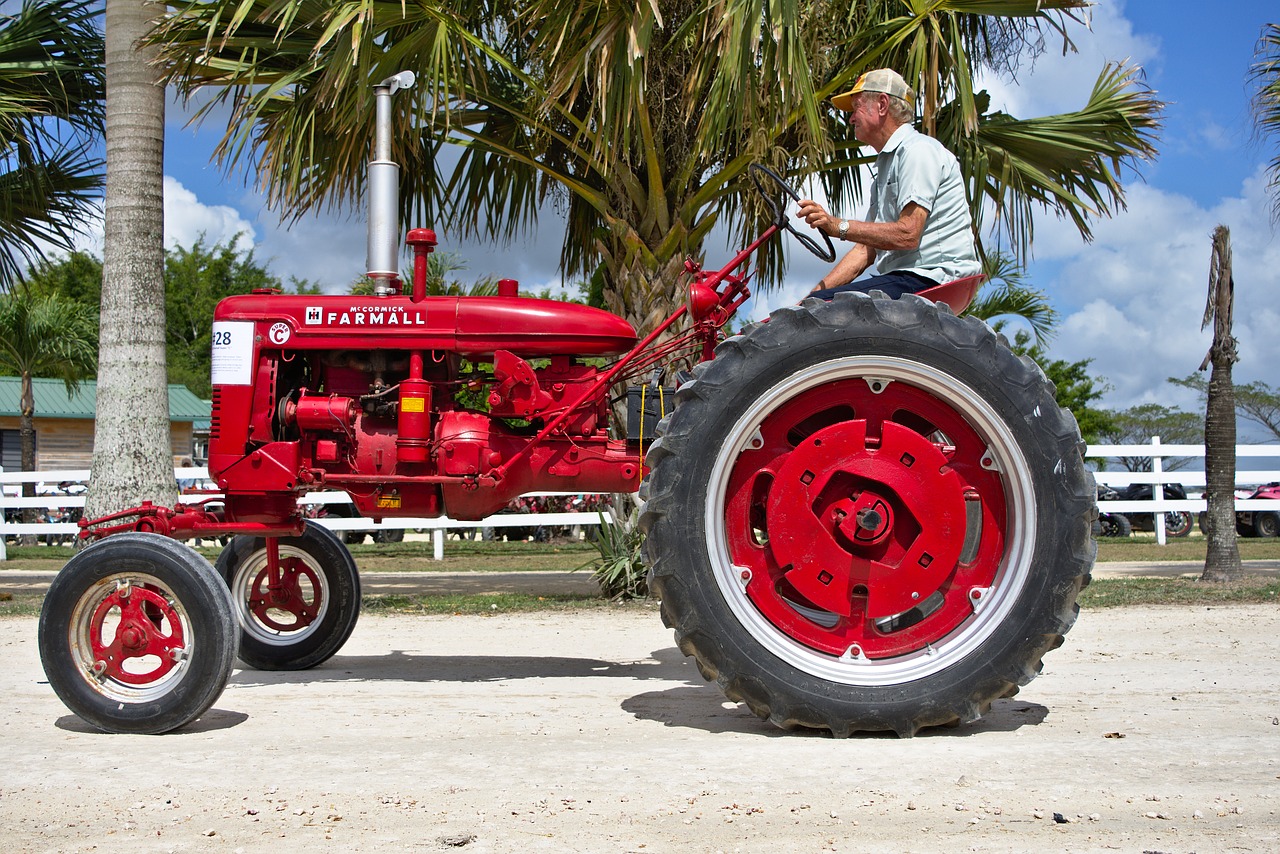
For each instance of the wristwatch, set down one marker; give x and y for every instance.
(843, 228)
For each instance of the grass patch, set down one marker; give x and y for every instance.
(491, 604)
(1128, 592)
(20, 605)
(1145, 548)
(1102, 593)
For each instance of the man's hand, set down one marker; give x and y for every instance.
(817, 217)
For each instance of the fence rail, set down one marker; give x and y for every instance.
(1157, 506)
(49, 484)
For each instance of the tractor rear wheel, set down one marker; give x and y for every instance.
(868, 514)
(137, 634)
(308, 614)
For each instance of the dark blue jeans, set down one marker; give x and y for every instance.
(894, 284)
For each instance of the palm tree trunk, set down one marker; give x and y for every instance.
(132, 459)
(27, 433)
(1222, 560)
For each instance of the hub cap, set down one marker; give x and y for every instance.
(130, 637)
(286, 611)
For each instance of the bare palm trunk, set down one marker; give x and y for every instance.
(27, 433)
(132, 459)
(1222, 561)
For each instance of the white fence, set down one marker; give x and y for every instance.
(53, 498)
(1246, 474)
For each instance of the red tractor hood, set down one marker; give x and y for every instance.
(471, 326)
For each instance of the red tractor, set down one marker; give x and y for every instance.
(863, 514)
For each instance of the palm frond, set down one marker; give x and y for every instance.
(1069, 164)
(1264, 75)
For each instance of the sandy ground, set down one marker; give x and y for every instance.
(1154, 729)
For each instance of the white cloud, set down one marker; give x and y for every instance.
(187, 220)
(1139, 293)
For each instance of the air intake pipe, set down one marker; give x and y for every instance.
(384, 191)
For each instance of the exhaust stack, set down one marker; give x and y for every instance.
(384, 191)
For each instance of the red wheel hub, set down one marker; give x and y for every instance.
(284, 605)
(146, 637)
(861, 520)
(885, 523)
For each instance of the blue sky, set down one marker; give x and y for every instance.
(1131, 300)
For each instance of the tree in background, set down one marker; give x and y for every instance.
(45, 336)
(1138, 424)
(1264, 74)
(440, 279)
(1007, 294)
(51, 114)
(1255, 401)
(638, 119)
(195, 279)
(1222, 561)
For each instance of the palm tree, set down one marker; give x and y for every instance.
(45, 336)
(639, 119)
(132, 460)
(1265, 75)
(1222, 560)
(51, 90)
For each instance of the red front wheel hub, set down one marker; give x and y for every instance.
(863, 515)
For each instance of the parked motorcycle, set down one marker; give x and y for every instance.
(1111, 524)
(1254, 523)
(1177, 523)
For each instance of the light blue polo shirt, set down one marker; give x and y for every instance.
(916, 168)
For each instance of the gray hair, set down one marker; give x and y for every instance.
(899, 110)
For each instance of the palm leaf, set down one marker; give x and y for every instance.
(1264, 74)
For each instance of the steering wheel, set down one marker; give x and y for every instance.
(780, 217)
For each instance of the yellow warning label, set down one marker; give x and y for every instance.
(413, 404)
(389, 502)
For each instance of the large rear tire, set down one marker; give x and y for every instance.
(310, 613)
(868, 514)
(137, 634)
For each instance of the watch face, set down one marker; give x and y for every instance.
(844, 227)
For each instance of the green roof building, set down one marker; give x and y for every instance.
(64, 423)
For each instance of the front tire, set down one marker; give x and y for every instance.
(1114, 525)
(137, 634)
(1178, 524)
(1266, 524)
(310, 612)
(868, 515)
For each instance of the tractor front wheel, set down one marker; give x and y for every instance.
(304, 616)
(868, 514)
(137, 634)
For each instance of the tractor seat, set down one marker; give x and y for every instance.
(957, 294)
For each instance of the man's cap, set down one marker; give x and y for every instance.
(884, 80)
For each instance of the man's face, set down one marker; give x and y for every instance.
(865, 114)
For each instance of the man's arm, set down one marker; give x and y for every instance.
(902, 234)
(848, 268)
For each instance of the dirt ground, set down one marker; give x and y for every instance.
(1154, 729)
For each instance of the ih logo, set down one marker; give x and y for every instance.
(314, 315)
